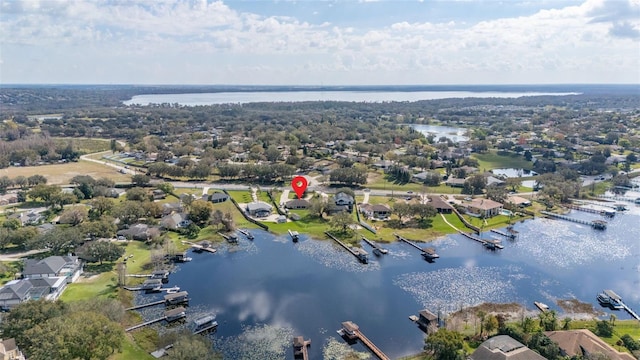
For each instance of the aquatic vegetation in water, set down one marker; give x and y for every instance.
(336, 350)
(449, 289)
(256, 342)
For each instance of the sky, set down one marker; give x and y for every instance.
(313, 42)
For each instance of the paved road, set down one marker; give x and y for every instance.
(121, 169)
(19, 255)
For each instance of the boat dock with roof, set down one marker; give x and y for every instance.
(246, 233)
(351, 331)
(612, 300)
(300, 346)
(294, 235)
(169, 316)
(204, 323)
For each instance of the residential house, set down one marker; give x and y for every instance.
(518, 201)
(218, 197)
(142, 232)
(383, 164)
(158, 194)
(18, 291)
(13, 293)
(168, 208)
(9, 350)
(297, 204)
(485, 208)
(494, 181)
(259, 209)
(344, 199)
(504, 347)
(69, 267)
(175, 221)
(439, 204)
(455, 182)
(584, 343)
(7, 199)
(375, 211)
(27, 218)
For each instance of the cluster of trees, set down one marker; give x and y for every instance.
(264, 173)
(21, 182)
(87, 330)
(421, 211)
(560, 186)
(350, 176)
(21, 146)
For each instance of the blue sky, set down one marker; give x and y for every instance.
(320, 42)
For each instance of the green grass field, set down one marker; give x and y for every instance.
(621, 327)
(84, 145)
(491, 160)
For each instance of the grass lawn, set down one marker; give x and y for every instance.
(131, 351)
(85, 145)
(493, 222)
(378, 181)
(314, 227)
(62, 173)
(241, 196)
(491, 160)
(598, 188)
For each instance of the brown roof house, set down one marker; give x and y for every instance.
(439, 204)
(297, 204)
(9, 350)
(485, 208)
(583, 342)
(504, 347)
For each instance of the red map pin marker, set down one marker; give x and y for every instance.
(299, 185)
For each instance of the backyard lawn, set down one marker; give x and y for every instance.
(491, 160)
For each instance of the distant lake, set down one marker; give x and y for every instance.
(514, 173)
(267, 290)
(198, 99)
(453, 133)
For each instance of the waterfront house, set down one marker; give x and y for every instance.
(584, 343)
(13, 293)
(518, 201)
(485, 208)
(259, 209)
(440, 205)
(375, 211)
(9, 350)
(175, 221)
(18, 291)
(69, 267)
(504, 347)
(297, 204)
(142, 232)
(218, 197)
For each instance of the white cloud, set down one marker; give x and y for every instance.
(551, 45)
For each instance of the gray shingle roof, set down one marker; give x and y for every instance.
(50, 265)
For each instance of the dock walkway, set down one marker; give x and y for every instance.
(509, 236)
(198, 247)
(146, 305)
(352, 331)
(375, 246)
(607, 213)
(596, 224)
(361, 256)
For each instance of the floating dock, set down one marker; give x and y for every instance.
(376, 248)
(351, 331)
(300, 346)
(169, 316)
(428, 254)
(360, 254)
(246, 233)
(294, 235)
(596, 224)
(614, 301)
(542, 307)
(510, 235)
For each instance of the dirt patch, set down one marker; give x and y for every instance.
(60, 174)
(87, 278)
(577, 309)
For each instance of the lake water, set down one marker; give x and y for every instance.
(197, 99)
(513, 173)
(453, 133)
(267, 290)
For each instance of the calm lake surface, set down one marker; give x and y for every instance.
(453, 133)
(513, 173)
(267, 290)
(198, 99)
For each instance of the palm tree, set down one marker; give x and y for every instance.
(481, 314)
(566, 323)
(612, 319)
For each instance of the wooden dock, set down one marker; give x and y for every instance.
(360, 254)
(200, 248)
(169, 316)
(146, 305)
(508, 236)
(428, 254)
(375, 246)
(607, 213)
(300, 346)
(246, 233)
(596, 224)
(232, 238)
(352, 331)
